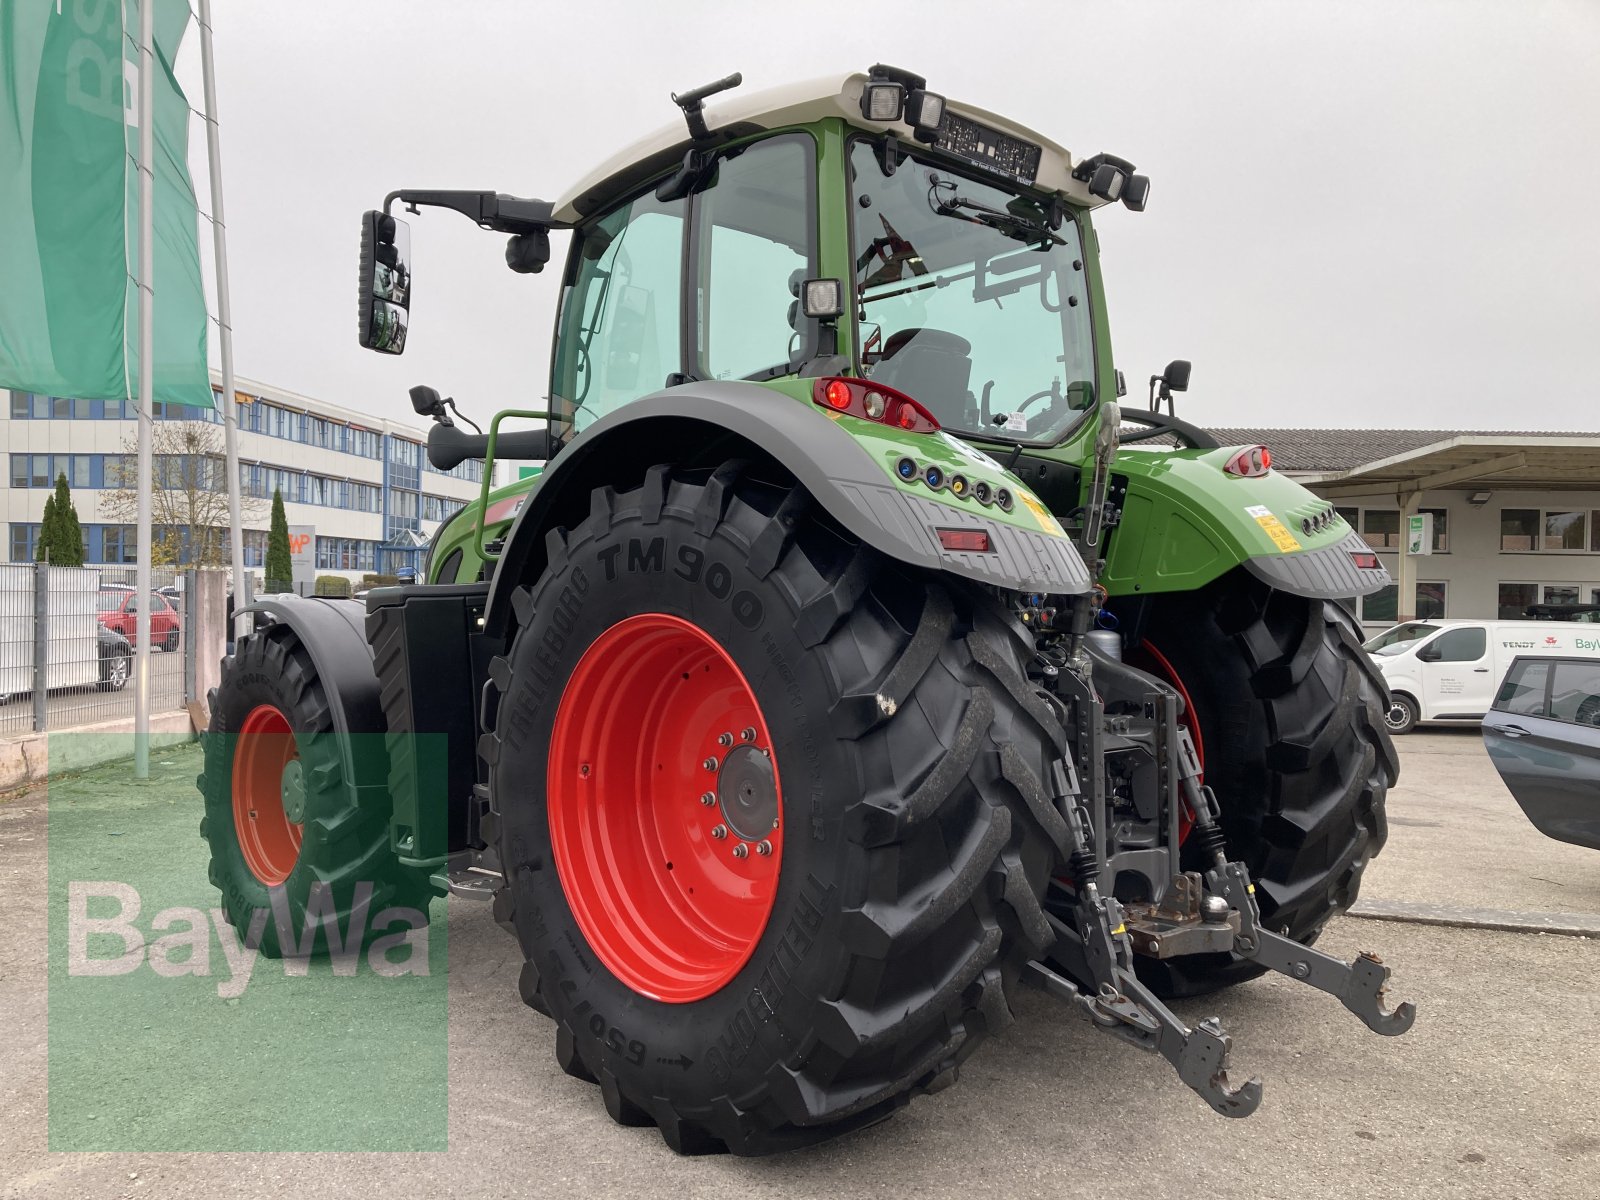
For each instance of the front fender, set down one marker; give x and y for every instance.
(845, 470)
(1186, 522)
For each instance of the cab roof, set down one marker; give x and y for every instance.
(739, 113)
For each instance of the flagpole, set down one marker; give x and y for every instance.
(230, 410)
(147, 368)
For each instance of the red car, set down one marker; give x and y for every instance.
(119, 611)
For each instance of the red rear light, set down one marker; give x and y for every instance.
(1249, 463)
(965, 539)
(872, 402)
(1365, 559)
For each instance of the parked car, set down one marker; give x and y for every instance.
(116, 660)
(1543, 736)
(1449, 670)
(119, 612)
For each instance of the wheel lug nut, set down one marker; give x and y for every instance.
(741, 851)
(747, 734)
(724, 739)
(719, 832)
(708, 798)
(763, 848)
(710, 764)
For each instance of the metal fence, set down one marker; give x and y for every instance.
(66, 644)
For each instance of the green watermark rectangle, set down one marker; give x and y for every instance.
(192, 1007)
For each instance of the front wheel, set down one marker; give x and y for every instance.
(1292, 739)
(775, 816)
(295, 848)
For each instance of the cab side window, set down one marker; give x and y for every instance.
(619, 325)
(754, 241)
(1523, 690)
(1459, 645)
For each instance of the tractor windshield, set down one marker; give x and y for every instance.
(969, 301)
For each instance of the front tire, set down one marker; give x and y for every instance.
(289, 836)
(912, 829)
(1291, 716)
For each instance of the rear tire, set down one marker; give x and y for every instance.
(1291, 714)
(270, 711)
(917, 770)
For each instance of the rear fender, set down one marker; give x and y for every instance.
(704, 424)
(1186, 522)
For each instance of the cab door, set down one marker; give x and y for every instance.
(1457, 674)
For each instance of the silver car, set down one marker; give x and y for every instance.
(1543, 735)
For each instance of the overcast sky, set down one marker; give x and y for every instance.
(1361, 213)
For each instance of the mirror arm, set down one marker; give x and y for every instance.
(488, 210)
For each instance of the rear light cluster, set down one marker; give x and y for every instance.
(859, 398)
(957, 485)
(1318, 521)
(1365, 559)
(1250, 463)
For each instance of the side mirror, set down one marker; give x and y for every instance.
(1429, 653)
(425, 400)
(383, 302)
(1176, 377)
(1080, 395)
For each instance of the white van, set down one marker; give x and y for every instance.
(1450, 670)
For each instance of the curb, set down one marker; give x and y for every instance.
(1504, 920)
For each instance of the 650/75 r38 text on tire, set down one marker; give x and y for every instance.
(775, 816)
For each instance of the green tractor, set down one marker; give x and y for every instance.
(853, 659)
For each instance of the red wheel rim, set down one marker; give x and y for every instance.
(266, 768)
(665, 807)
(1148, 658)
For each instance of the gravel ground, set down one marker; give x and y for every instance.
(1491, 1094)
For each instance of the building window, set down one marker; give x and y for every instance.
(1514, 599)
(1566, 530)
(1430, 601)
(119, 544)
(1441, 530)
(24, 538)
(1381, 528)
(1382, 606)
(1562, 593)
(1553, 531)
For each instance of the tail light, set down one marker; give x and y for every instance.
(1250, 463)
(1366, 560)
(871, 402)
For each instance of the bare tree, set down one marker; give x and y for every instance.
(190, 492)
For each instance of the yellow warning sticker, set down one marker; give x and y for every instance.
(1047, 522)
(1276, 529)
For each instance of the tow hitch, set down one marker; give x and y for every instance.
(1213, 912)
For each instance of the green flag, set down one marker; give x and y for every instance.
(69, 204)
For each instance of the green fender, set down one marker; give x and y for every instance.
(1185, 522)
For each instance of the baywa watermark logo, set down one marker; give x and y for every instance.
(177, 942)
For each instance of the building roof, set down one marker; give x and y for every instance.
(1356, 460)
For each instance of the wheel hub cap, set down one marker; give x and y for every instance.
(747, 791)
